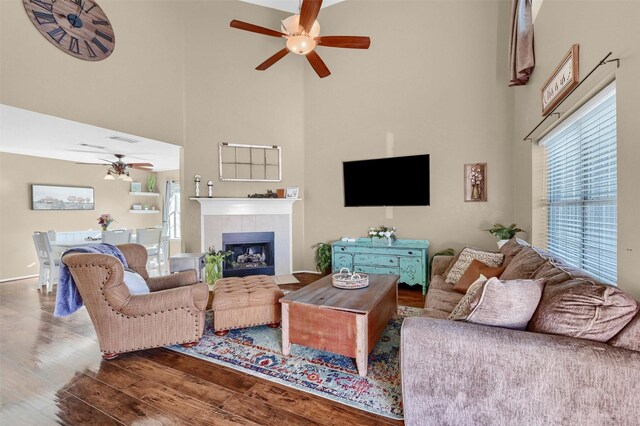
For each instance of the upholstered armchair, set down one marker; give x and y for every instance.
(171, 313)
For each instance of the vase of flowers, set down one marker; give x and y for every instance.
(382, 234)
(214, 261)
(105, 220)
(475, 178)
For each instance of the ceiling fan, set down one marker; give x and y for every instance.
(119, 169)
(302, 34)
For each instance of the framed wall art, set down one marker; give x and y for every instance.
(52, 197)
(562, 81)
(475, 182)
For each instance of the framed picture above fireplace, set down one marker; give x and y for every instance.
(249, 163)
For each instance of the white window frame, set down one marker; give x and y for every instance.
(578, 236)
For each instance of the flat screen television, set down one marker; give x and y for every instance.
(395, 181)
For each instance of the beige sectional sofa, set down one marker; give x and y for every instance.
(458, 373)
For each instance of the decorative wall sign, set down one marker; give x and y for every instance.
(475, 182)
(49, 197)
(562, 81)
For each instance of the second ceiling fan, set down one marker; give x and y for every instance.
(303, 35)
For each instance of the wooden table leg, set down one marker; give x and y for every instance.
(286, 345)
(362, 344)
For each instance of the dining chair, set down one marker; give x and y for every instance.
(120, 236)
(48, 261)
(151, 239)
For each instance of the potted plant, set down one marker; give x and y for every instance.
(504, 233)
(323, 258)
(151, 182)
(214, 261)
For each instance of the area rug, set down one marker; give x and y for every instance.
(258, 351)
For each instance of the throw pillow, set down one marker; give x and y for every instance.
(463, 307)
(475, 270)
(523, 265)
(135, 283)
(583, 309)
(467, 255)
(629, 336)
(507, 304)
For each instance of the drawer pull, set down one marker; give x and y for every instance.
(390, 260)
(342, 248)
(410, 252)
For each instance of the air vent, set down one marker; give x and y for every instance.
(92, 146)
(124, 139)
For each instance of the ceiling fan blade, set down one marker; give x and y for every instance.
(92, 164)
(347, 42)
(108, 161)
(318, 64)
(255, 28)
(147, 168)
(309, 13)
(272, 60)
(140, 164)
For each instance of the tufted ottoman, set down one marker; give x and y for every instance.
(244, 302)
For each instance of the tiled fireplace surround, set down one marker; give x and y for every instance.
(223, 215)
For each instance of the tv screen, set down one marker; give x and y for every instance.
(396, 181)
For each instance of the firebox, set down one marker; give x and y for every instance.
(252, 254)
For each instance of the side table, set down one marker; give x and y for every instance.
(186, 261)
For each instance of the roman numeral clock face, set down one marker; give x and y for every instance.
(77, 27)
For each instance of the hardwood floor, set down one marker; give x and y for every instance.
(52, 372)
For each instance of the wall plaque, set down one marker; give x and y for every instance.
(562, 81)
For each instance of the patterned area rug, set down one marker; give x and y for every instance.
(258, 351)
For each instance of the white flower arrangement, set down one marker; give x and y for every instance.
(475, 176)
(382, 232)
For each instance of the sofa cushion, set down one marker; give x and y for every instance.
(629, 336)
(507, 304)
(438, 282)
(583, 309)
(434, 313)
(523, 265)
(551, 273)
(441, 296)
(473, 272)
(511, 248)
(467, 255)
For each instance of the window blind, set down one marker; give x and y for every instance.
(582, 187)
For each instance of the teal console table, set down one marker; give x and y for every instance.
(407, 258)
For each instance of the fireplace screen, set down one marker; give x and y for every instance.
(252, 253)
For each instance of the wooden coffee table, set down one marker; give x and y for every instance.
(345, 322)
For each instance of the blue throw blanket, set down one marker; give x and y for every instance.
(68, 299)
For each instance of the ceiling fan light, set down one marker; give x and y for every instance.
(109, 176)
(291, 26)
(127, 178)
(300, 44)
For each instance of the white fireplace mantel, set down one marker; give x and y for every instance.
(219, 215)
(237, 206)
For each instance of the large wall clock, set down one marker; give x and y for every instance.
(79, 28)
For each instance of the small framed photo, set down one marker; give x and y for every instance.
(475, 182)
(136, 187)
(292, 192)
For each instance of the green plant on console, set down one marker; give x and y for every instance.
(323, 257)
(502, 232)
(213, 264)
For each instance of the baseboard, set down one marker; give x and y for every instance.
(5, 280)
(306, 272)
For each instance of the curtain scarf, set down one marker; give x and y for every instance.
(521, 56)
